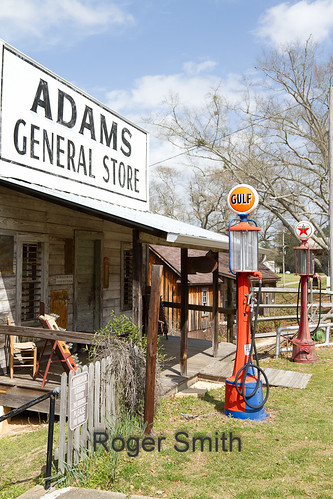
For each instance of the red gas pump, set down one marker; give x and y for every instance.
(243, 394)
(303, 346)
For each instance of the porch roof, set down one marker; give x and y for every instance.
(154, 228)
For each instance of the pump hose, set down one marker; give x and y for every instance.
(247, 365)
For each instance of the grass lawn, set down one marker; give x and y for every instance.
(290, 454)
(292, 280)
(22, 460)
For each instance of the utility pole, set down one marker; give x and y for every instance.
(330, 176)
(283, 261)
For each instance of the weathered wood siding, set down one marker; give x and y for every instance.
(23, 216)
(170, 290)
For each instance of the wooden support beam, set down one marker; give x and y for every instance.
(215, 318)
(137, 279)
(48, 334)
(200, 308)
(154, 309)
(184, 314)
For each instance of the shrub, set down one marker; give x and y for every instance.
(121, 340)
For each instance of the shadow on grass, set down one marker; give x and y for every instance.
(218, 404)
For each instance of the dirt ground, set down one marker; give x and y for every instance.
(23, 423)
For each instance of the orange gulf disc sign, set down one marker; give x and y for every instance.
(243, 199)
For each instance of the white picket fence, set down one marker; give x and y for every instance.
(102, 409)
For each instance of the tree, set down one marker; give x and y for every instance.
(165, 193)
(281, 147)
(199, 200)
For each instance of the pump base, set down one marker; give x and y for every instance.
(304, 351)
(236, 407)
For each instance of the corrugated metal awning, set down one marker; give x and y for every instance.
(153, 228)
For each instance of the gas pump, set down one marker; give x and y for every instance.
(303, 346)
(243, 390)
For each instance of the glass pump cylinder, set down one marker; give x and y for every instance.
(305, 264)
(243, 247)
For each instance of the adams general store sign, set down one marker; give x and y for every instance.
(54, 135)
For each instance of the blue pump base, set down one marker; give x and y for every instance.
(255, 400)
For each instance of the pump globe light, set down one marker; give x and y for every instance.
(304, 230)
(243, 199)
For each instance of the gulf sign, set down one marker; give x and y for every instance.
(243, 199)
(55, 135)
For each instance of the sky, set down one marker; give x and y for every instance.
(133, 54)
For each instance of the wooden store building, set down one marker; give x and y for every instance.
(75, 223)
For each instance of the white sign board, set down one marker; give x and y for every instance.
(55, 135)
(78, 400)
(64, 279)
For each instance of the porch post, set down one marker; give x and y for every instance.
(215, 322)
(137, 279)
(184, 313)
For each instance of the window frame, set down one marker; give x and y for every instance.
(44, 242)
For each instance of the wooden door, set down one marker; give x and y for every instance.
(87, 287)
(59, 306)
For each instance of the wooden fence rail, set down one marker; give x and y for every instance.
(102, 410)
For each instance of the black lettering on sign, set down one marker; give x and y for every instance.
(108, 136)
(59, 151)
(33, 141)
(88, 122)
(70, 155)
(48, 146)
(106, 169)
(23, 149)
(121, 174)
(42, 99)
(82, 160)
(126, 143)
(61, 100)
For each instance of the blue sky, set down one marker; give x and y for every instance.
(131, 54)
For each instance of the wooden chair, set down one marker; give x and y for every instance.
(20, 352)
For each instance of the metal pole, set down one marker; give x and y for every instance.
(26, 406)
(283, 261)
(50, 443)
(330, 168)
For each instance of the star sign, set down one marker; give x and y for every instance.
(303, 230)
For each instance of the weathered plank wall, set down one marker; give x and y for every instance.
(23, 216)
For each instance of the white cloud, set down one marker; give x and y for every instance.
(58, 21)
(193, 68)
(286, 23)
(151, 91)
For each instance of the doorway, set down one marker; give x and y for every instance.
(87, 281)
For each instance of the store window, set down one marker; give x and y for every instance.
(204, 301)
(31, 279)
